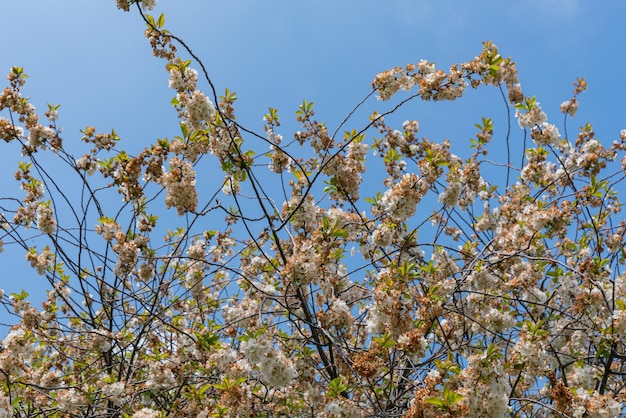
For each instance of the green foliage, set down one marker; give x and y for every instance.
(447, 402)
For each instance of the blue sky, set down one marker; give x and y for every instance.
(93, 60)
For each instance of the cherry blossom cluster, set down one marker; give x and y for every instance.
(448, 291)
(179, 184)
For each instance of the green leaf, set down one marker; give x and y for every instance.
(229, 96)
(19, 296)
(184, 130)
(151, 23)
(305, 108)
(435, 401)
(384, 341)
(105, 220)
(161, 21)
(336, 387)
(493, 352)
(24, 167)
(451, 397)
(19, 72)
(208, 340)
(392, 155)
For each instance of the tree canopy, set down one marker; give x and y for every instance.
(355, 270)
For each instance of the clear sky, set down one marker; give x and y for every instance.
(93, 59)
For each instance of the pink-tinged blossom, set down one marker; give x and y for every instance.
(14, 341)
(88, 164)
(145, 272)
(148, 4)
(487, 222)
(545, 134)
(199, 109)
(9, 132)
(306, 213)
(40, 261)
(161, 377)
(570, 107)
(399, 202)
(534, 117)
(180, 186)
(38, 135)
(123, 4)
(183, 81)
(590, 404)
(486, 387)
(450, 196)
(114, 391)
(256, 351)
(277, 370)
(70, 400)
(338, 314)
(108, 229)
(243, 313)
(5, 407)
(146, 413)
(128, 254)
(342, 408)
(45, 219)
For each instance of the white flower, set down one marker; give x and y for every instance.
(546, 134)
(400, 201)
(160, 377)
(52, 115)
(584, 376)
(146, 413)
(5, 407)
(570, 107)
(426, 67)
(450, 195)
(382, 236)
(45, 219)
(69, 400)
(123, 4)
(146, 271)
(277, 370)
(552, 132)
(199, 108)
(148, 4)
(13, 338)
(255, 351)
(87, 164)
(377, 320)
(613, 242)
(533, 117)
(114, 391)
(230, 186)
(182, 81)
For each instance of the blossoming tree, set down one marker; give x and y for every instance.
(307, 296)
